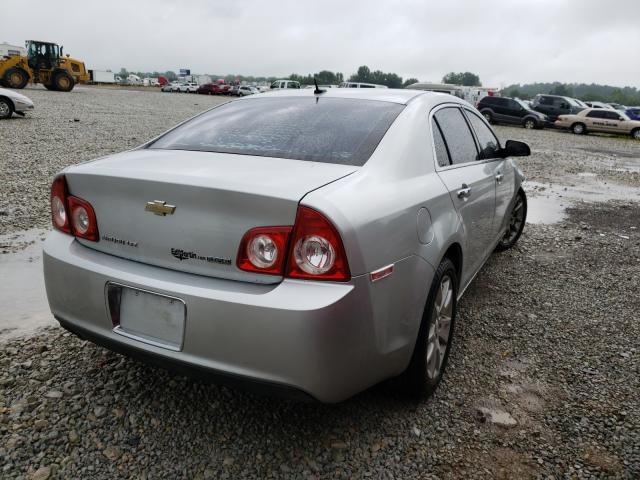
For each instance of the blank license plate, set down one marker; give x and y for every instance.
(152, 318)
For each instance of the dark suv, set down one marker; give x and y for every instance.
(510, 110)
(554, 105)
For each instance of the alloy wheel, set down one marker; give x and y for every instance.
(440, 327)
(529, 124)
(4, 109)
(515, 221)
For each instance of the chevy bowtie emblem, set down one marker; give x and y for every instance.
(159, 207)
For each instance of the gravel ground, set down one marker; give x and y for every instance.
(68, 128)
(543, 379)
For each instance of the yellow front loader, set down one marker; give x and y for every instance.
(43, 64)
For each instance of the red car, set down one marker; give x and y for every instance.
(214, 88)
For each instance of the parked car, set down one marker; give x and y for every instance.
(278, 84)
(189, 87)
(13, 102)
(599, 105)
(617, 106)
(176, 86)
(233, 91)
(633, 113)
(208, 89)
(247, 90)
(554, 105)
(170, 87)
(360, 85)
(510, 110)
(207, 262)
(600, 120)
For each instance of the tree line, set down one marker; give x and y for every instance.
(587, 92)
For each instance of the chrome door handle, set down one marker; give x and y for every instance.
(464, 192)
(499, 177)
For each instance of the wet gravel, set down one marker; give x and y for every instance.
(543, 379)
(69, 128)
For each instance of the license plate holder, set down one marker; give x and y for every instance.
(148, 317)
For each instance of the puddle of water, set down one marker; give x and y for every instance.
(547, 203)
(22, 293)
(545, 210)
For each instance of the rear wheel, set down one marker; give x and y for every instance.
(15, 78)
(487, 117)
(431, 353)
(6, 108)
(63, 81)
(636, 134)
(579, 128)
(517, 220)
(530, 123)
(50, 87)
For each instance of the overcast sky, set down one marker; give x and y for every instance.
(508, 41)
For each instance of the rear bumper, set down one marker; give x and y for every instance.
(325, 340)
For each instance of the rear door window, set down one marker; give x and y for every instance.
(459, 140)
(489, 144)
(330, 130)
(442, 155)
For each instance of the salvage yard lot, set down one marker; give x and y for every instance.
(543, 377)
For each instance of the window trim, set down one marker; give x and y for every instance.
(431, 119)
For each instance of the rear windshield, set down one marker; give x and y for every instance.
(330, 130)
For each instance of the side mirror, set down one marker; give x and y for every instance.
(514, 148)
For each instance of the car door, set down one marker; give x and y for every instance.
(613, 122)
(516, 112)
(471, 184)
(502, 169)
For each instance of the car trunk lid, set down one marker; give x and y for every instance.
(217, 199)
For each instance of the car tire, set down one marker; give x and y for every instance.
(579, 128)
(529, 123)
(15, 78)
(517, 220)
(430, 354)
(50, 87)
(6, 108)
(63, 82)
(635, 134)
(488, 117)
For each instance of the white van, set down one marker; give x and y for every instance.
(360, 85)
(285, 84)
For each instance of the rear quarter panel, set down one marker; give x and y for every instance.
(376, 212)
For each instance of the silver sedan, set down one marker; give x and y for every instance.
(307, 242)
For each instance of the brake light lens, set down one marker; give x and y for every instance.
(264, 250)
(59, 208)
(70, 214)
(83, 219)
(316, 251)
(312, 249)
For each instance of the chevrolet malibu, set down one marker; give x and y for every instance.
(307, 242)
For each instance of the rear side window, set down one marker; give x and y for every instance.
(330, 130)
(489, 144)
(442, 155)
(458, 137)
(596, 114)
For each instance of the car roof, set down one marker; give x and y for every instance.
(380, 94)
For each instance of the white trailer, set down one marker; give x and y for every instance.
(101, 76)
(7, 50)
(471, 94)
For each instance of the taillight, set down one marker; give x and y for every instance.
(71, 214)
(316, 251)
(83, 219)
(311, 249)
(59, 207)
(264, 250)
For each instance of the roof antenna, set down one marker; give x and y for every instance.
(317, 91)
